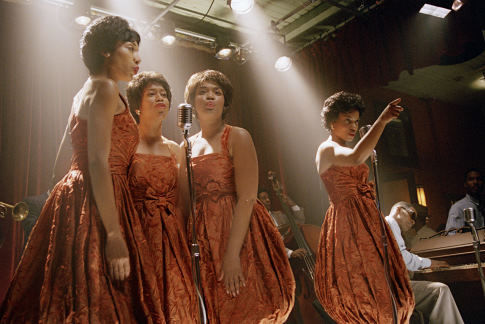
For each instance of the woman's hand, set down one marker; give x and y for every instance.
(391, 112)
(232, 275)
(117, 257)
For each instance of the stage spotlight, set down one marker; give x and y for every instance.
(82, 20)
(241, 7)
(167, 29)
(223, 53)
(240, 55)
(457, 4)
(82, 12)
(435, 11)
(224, 50)
(168, 40)
(283, 63)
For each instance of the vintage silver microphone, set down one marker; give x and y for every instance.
(470, 220)
(184, 116)
(373, 157)
(184, 121)
(362, 131)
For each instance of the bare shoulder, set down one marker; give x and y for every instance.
(239, 134)
(326, 146)
(100, 85)
(324, 153)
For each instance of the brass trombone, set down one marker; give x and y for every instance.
(19, 211)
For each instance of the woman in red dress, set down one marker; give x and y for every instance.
(350, 278)
(153, 179)
(245, 273)
(87, 260)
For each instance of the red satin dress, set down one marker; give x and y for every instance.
(63, 276)
(269, 293)
(153, 184)
(350, 278)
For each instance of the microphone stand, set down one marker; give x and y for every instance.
(385, 242)
(194, 246)
(470, 219)
(384, 239)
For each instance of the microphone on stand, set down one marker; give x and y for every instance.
(362, 131)
(184, 116)
(184, 121)
(469, 215)
(470, 220)
(384, 239)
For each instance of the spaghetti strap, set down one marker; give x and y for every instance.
(225, 139)
(124, 101)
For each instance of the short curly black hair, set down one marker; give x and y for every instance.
(209, 75)
(465, 175)
(340, 102)
(103, 35)
(137, 85)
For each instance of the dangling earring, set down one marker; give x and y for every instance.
(137, 112)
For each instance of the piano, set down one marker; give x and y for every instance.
(462, 276)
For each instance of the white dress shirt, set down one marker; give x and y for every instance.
(456, 216)
(412, 261)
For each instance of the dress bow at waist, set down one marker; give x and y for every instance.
(154, 202)
(367, 189)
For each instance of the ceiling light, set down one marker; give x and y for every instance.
(168, 40)
(224, 53)
(241, 7)
(224, 48)
(283, 63)
(431, 10)
(167, 35)
(457, 4)
(82, 20)
(240, 57)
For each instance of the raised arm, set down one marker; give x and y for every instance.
(329, 153)
(102, 99)
(246, 177)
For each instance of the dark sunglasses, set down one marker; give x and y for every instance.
(411, 213)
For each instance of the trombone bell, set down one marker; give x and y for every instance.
(19, 210)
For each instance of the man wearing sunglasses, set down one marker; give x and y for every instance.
(433, 299)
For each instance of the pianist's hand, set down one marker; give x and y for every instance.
(435, 264)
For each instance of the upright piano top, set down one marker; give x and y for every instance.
(455, 249)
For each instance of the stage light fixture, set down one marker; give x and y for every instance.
(223, 53)
(435, 11)
(283, 63)
(168, 40)
(224, 50)
(240, 56)
(82, 12)
(241, 7)
(82, 20)
(167, 29)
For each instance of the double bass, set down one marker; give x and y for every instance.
(307, 309)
